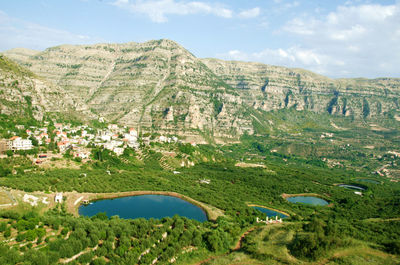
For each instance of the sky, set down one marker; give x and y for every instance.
(336, 38)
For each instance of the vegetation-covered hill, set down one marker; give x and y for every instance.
(354, 229)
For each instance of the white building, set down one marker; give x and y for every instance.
(118, 151)
(63, 146)
(17, 143)
(82, 154)
(133, 132)
(113, 127)
(130, 137)
(106, 137)
(109, 146)
(58, 197)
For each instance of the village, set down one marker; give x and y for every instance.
(77, 141)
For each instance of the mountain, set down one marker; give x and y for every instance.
(24, 94)
(160, 86)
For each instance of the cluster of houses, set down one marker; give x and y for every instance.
(165, 139)
(77, 139)
(113, 138)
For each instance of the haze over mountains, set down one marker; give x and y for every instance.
(159, 85)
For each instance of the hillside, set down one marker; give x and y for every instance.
(160, 86)
(24, 94)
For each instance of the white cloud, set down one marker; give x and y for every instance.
(349, 22)
(158, 10)
(291, 57)
(282, 7)
(291, 5)
(250, 13)
(352, 41)
(363, 37)
(236, 55)
(19, 33)
(299, 26)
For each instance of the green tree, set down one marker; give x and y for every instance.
(3, 226)
(98, 261)
(20, 237)
(393, 247)
(30, 235)
(36, 257)
(7, 233)
(35, 142)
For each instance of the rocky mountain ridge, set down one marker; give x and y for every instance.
(160, 86)
(25, 94)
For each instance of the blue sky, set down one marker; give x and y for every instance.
(334, 38)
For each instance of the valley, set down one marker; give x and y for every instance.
(103, 121)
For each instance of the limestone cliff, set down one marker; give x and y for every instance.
(270, 87)
(160, 86)
(22, 93)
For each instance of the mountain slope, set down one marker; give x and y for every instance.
(24, 94)
(271, 87)
(160, 86)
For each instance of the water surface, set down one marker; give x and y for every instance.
(352, 187)
(308, 200)
(369, 180)
(144, 206)
(269, 212)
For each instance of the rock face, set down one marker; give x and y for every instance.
(24, 94)
(270, 87)
(160, 86)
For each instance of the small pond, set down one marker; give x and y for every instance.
(144, 206)
(269, 212)
(369, 181)
(352, 187)
(308, 200)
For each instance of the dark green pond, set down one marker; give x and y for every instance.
(369, 181)
(308, 200)
(144, 206)
(269, 212)
(352, 187)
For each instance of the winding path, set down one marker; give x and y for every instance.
(237, 247)
(78, 255)
(239, 243)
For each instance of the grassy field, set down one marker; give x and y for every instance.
(4, 198)
(268, 245)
